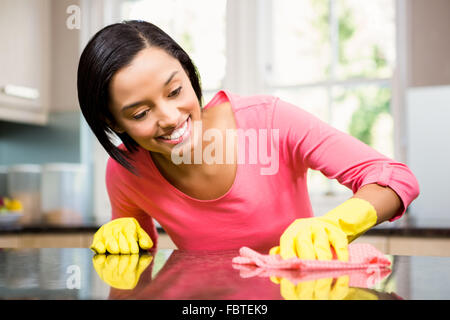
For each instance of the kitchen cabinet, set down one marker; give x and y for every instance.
(66, 46)
(24, 60)
(46, 240)
(39, 52)
(419, 246)
(379, 242)
(408, 245)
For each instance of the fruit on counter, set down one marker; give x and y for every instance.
(7, 204)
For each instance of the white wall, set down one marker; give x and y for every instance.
(428, 131)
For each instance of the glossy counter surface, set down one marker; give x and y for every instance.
(173, 274)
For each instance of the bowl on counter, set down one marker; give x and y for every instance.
(10, 219)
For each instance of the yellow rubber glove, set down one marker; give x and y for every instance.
(121, 271)
(312, 238)
(360, 294)
(121, 236)
(322, 289)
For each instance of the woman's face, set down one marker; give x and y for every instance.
(153, 97)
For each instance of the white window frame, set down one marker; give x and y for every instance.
(94, 16)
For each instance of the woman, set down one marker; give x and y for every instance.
(136, 82)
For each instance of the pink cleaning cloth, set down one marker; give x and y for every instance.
(366, 266)
(361, 256)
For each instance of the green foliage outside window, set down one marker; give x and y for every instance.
(370, 107)
(365, 117)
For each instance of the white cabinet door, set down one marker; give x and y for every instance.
(24, 60)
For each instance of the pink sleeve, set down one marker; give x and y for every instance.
(121, 205)
(314, 144)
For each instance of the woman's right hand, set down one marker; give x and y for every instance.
(121, 236)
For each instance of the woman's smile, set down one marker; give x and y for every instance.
(182, 133)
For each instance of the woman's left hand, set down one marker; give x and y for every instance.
(312, 238)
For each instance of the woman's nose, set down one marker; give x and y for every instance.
(168, 116)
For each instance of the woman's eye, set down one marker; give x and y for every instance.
(140, 115)
(175, 92)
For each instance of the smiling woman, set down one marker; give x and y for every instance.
(114, 49)
(135, 81)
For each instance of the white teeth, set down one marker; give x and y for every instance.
(177, 133)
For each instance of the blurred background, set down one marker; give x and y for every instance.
(378, 70)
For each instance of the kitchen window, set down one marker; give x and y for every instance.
(336, 58)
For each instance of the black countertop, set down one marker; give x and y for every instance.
(413, 227)
(49, 228)
(172, 274)
(405, 226)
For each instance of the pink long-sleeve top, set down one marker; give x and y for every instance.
(270, 188)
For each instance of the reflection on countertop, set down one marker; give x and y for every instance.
(174, 274)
